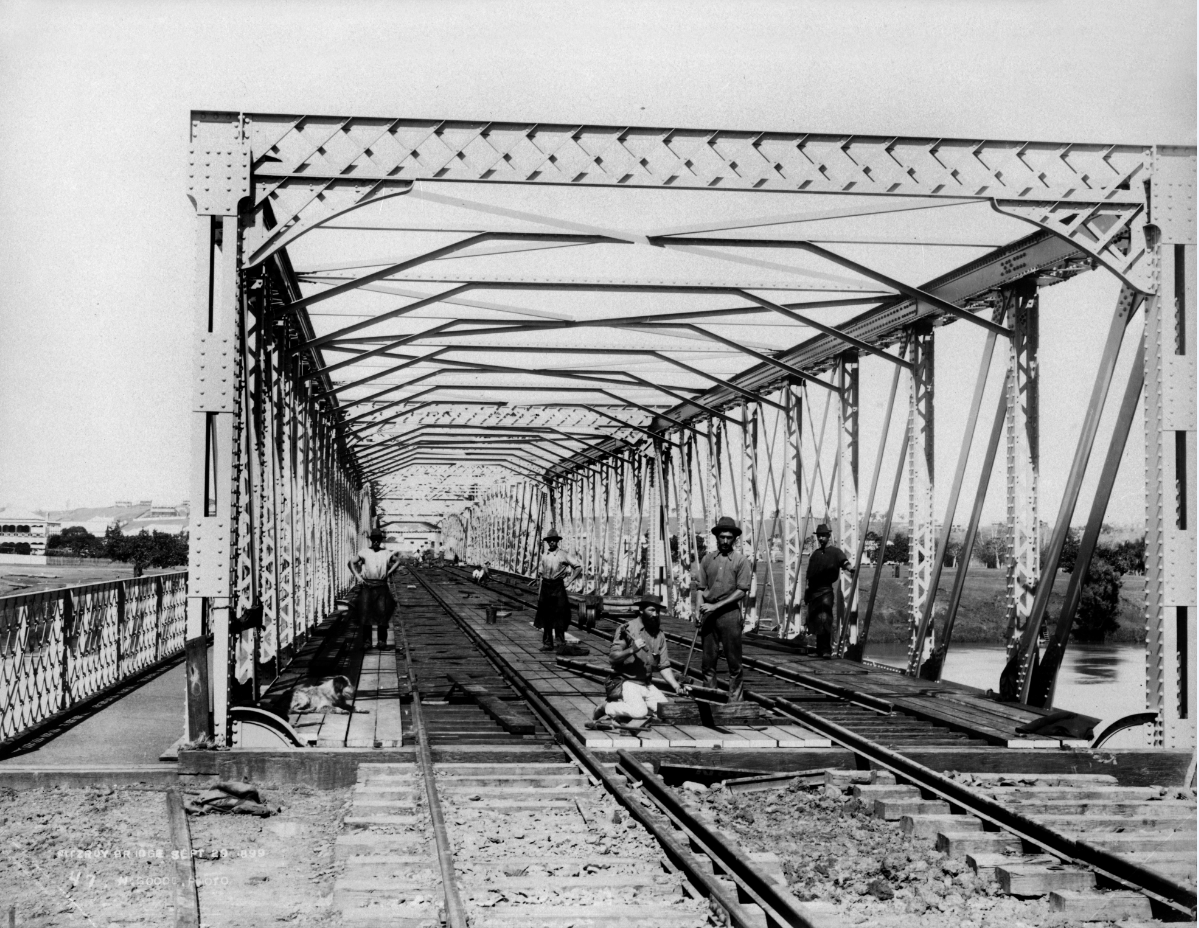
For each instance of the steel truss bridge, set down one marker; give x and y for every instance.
(617, 330)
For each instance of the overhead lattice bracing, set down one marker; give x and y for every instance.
(625, 331)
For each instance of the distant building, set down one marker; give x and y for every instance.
(411, 537)
(130, 517)
(17, 526)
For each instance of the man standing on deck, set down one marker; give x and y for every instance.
(373, 567)
(724, 579)
(553, 605)
(638, 650)
(824, 568)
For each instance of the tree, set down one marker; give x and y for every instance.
(1069, 552)
(146, 549)
(1099, 603)
(953, 551)
(986, 551)
(75, 541)
(898, 549)
(1128, 557)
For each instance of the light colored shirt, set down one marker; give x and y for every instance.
(556, 564)
(374, 563)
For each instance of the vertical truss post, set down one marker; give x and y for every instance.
(268, 455)
(287, 566)
(215, 439)
(920, 480)
(302, 523)
(681, 497)
(604, 565)
(793, 500)
(716, 494)
(590, 564)
(635, 581)
(1023, 460)
(750, 494)
(246, 591)
(847, 490)
(1170, 452)
(658, 562)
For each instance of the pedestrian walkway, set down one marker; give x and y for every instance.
(132, 730)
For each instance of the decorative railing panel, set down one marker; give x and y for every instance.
(61, 647)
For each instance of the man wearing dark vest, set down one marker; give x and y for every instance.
(553, 605)
(724, 577)
(824, 569)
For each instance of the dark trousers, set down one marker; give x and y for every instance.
(723, 633)
(822, 604)
(553, 612)
(375, 606)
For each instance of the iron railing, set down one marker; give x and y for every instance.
(60, 648)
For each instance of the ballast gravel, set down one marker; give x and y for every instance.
(834, 853)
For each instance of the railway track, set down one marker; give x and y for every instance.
(1091, 845)
(563, 841)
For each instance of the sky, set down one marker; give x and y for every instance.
(96, 231)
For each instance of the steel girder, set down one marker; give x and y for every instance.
(287, 178)
(1170, 453)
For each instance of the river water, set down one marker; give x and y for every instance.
(1102, 680)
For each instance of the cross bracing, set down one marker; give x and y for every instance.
(618, 330)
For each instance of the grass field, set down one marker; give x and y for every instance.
(17, 578)
(981, 616)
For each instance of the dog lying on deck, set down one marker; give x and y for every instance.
(333, 694)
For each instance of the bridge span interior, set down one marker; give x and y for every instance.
(623, 332)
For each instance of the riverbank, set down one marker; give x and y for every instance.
(982, 617)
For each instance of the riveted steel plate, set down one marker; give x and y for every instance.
(214, 374)
(1173, 194)
(218, 163)
(209, 562)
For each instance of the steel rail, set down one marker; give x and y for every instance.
(786, 911)
(1108, 865)
(811, 681)
(454, 911)
(1125, 872)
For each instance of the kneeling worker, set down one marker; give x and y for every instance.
(638, 649)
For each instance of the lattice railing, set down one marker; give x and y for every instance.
(61, 647)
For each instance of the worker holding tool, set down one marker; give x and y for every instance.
(638, 650)
(724, 579)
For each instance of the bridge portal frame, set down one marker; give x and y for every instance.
(262, 455)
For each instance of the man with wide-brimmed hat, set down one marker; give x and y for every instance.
(724, 577)
(824, 568)
(553, 605)
(638, 650)
(373, 567)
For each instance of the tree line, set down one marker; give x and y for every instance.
(145, 549)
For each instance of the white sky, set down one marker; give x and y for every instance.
(96, 229)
